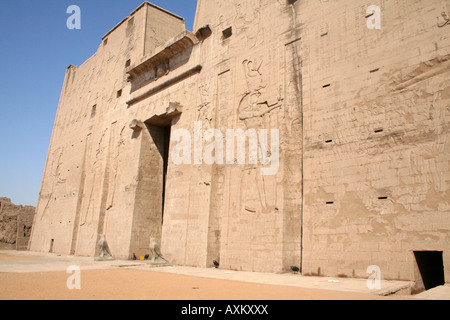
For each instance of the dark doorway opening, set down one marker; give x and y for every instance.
(431, 268)
(160, 127)
(148, 215)
(160, 135)
(165, 155)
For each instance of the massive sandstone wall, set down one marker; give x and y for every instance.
(362, 116)
(90, 178)
(102, 177)
(234, 214)
(374, 133)
(376, 144)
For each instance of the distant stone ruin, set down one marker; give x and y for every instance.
(15, 224)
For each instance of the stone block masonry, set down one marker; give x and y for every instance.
(15, 224)
(362, 115)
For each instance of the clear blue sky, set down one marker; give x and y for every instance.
(35, 49)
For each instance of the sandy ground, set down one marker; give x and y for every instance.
(128, 284)
(11, 257)
(162, 292)
(136, 284)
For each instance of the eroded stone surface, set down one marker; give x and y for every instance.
(363, 120)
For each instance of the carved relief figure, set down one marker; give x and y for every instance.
(205, 111)
(250, 25)
(115, 168)
(95, 171)
(55, 178)
(252, 107)
(255, 111)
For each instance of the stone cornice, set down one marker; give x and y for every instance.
(177, 45)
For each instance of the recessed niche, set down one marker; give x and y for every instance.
(227, 33)
(93, 110)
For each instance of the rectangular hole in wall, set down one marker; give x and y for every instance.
(105, 41)
(378, 130)
(383, 198)
(324, 34)
(93, 110)
(369, 15)
(52, 242)
(374, 70)
(119, 93)
(330, 202)
(431, 268)
(227, 33)
(326, 85)
(128, 63)
(329, 141)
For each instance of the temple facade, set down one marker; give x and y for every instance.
(277, 133)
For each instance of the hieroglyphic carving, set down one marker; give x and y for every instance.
(250, 25)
